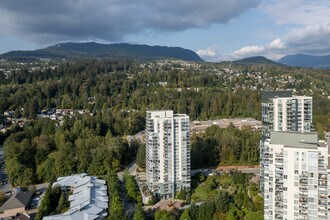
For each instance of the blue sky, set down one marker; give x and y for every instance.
(215, 29)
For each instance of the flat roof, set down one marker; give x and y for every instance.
(265, 95)
(294, 139)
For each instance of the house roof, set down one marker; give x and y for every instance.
(22, 217)
(21, 199)
(74, 216)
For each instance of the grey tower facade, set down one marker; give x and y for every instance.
(281, 111)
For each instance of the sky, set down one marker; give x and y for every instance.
(215, 29)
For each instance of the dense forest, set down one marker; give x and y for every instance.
(228, 146)
(120, 88)
(128, 88)
(127, 85)
(41, 152)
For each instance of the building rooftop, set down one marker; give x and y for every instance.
(265, 95)
(239, 123)
(88, 200)
(294, 139)
(23, 216)
(21, 199)
(164, 114)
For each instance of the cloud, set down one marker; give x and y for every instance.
(208, 53)
(308, 24)
(307, 28)
(248, 51)
(310, 39)
(112, 20)
(273, 50)
(276, 44)
(299, 12)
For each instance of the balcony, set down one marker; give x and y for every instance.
(303, 199)
(279, 170)
(278, 216)
(323, 208)
(278, 176)
(323, 177)
(323, 183)
(278, 182)
(303, 181)
(303, 188)
(322, 203)
(279, 205)
(278, 198)
(303, 207)
(279, 160)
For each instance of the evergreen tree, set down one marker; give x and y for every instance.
(139, 214)
(63, 204)
(185, 215)
(141, 156)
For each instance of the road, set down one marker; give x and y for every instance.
(205, 172)
(128, 205)
(243, 169)
(42, 187)
(4, 185)
(132, 168)
(138, 136)
(251, 170)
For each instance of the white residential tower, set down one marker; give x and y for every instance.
(296, 177)
(167, 152)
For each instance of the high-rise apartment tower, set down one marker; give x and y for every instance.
(296, 177)
(283, 112)
(167, 152)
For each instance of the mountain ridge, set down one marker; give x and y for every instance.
(256, 60)
(306, 60)
(70, 50)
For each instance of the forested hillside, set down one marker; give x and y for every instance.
(91, 49)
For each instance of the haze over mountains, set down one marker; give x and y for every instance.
(304, 60)
(296, 60)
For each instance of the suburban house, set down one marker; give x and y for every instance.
(17, 203)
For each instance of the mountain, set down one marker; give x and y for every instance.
(91, 49)
(304, 60)
(255, 60)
